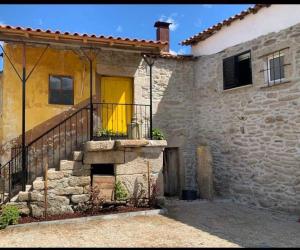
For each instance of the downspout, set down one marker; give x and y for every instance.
(91, 100)
(24, 167)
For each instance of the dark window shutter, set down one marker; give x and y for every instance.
(229, 79)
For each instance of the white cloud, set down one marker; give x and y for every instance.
(119, 29)
(170, 19)
(40, 21)
(181, 51)
(173, 52)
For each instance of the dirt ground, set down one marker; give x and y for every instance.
(188, 224)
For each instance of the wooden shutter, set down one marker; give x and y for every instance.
(229, 75)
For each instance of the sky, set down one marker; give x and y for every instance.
(124, 20)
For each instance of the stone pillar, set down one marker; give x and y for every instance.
(205, 172)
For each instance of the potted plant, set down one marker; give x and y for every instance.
(105, 134)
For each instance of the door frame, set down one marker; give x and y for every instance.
(178, 169)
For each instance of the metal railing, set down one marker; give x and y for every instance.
(121, 121)
(110, 121)
(55, 144)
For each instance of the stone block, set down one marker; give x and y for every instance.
(38, 185)
(136, 185)
(36, 211)
(68, 165)
(60, 210)
(23, 196)
(58, 201)
(69, 190)
(131, 143)
(77, 198)
(103, 157)
(205, 172)
(157, 143)
(74, 168)
(91, 146)
(79, 181)
(77, 156)
(54, 175)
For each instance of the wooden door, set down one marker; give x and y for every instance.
(116, 93)
(171, 172)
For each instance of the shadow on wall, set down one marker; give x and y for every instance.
(173, 112)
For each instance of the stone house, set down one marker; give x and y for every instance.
(238, 93)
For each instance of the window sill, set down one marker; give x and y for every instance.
(237, 88)
(276, 84)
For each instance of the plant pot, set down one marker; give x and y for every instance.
(189, 195)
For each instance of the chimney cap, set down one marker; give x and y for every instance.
(159, 24)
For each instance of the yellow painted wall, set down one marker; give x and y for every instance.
(54, 61)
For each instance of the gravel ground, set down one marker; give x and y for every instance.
(188, 224)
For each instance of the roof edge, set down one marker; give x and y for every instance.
(215, 28)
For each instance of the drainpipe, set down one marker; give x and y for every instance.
(24, 167)
(91, 100)
(151, 100)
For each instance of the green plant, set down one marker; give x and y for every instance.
(105, 132)
(120, 191)
(109, 133)
(9, 215)
(157, 134)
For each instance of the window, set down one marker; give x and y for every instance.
(275, 69)
(237, 70)
(61, 90)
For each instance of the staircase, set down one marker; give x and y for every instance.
(62, 191)
(52, 149)
(60, 146)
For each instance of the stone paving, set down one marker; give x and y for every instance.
(188, 224)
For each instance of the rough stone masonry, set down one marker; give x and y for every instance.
(253, 131)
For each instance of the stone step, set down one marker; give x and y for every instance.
(52, 174)
(75, 168)
(67, 165)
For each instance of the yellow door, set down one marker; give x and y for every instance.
(116, 94)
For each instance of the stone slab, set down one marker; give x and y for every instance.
(92, 146)
(102, 157)
(131, 143)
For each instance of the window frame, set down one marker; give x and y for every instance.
(58, 75)
(236, 74)
(269, 58)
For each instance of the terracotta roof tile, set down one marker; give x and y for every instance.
(48, 31)
(213, 29)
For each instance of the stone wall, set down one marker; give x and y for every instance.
(65, 189)
(253, 131)
(130, 159)
(172, 104)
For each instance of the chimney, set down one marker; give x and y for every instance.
(163, 34)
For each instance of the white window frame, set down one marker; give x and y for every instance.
(273, 56)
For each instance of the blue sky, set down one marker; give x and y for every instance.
(127, 20)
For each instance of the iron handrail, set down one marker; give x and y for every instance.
(59, 141)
